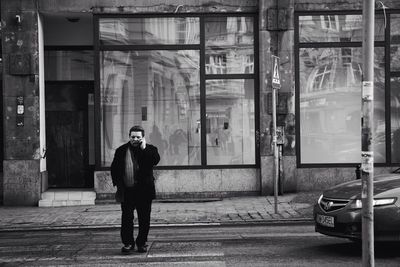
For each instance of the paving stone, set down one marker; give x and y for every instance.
(239, 209)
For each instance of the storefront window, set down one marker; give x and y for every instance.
(336, 28)
(395, 118)
(158, 90)
(330, 105)
(330, 78)
(152, 74)
(69, 65)
(230, 121)
(395, 42)
(229, 45)
(141, 31)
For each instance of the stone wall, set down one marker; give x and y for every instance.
(22, 178)
(192, 183)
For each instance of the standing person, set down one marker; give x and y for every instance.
(132, 173)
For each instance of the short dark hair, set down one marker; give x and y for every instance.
(136, 128)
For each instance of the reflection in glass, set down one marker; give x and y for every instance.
(140, 31)
(230, 122)
(69, 65)
(395, 118)
(330, 105)
(336, 28)
(229, 45)
(395, 42)
(157, 89)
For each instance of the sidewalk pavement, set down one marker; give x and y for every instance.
(293, 207)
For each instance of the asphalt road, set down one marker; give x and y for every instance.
(250, 245)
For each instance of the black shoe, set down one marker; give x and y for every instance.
(142, 249)
(127, 249)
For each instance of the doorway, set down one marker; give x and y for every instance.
(67, 134)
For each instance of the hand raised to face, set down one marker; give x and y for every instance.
(143, 143)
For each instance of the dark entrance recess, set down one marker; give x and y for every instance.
(67, 135)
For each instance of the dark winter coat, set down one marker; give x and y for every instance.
(146, 159)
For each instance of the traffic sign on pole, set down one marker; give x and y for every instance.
(276, 75)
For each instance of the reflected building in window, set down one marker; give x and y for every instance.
(330, 92)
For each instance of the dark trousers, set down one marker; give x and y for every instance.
(143, 209)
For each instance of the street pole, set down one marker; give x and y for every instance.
(275, 147)
(367, 155)
(276, 84)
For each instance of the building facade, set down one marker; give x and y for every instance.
(197, 75)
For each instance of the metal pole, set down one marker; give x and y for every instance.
(275, 147)
(367, 159)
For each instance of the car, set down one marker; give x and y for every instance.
(338, 211)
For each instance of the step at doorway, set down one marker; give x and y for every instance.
(67, 197)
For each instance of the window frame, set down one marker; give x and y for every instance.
(385, 44)
(203, 77)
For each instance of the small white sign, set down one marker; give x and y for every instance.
(368, 90)
(367, 161)
(20, 109)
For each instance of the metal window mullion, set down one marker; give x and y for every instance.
(148, 47)
(388, 92)
(68, 48)
(256, 90)
(297, 90)
(96, 67)
(203, 120)
(336, 44)
(229, 76)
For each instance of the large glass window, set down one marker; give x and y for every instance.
(160, 87)
(330, 105)
(142, 31)
(230, 121)
(329, 88)
(395, 42)
(336, 28)
(395, 118)
(395, 87)
(229, 45)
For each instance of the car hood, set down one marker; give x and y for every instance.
(351, 190)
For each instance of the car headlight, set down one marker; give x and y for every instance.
(357, 203)
(384, 201)
(319, 199)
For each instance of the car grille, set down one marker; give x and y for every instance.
(330, 204)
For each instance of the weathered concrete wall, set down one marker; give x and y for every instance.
(144, 6)
(318, 5)
(22, 179)
(280, 43)
(192, 183)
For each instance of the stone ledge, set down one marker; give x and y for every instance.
(65, 203)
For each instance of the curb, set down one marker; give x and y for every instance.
(161, 225)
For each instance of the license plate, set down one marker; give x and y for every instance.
(328, 221)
